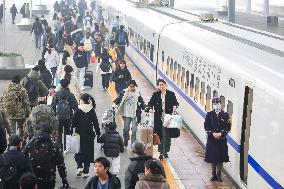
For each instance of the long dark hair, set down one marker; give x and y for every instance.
(88, 99)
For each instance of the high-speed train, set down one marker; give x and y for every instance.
(201, 60)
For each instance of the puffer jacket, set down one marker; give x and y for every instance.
(121, 83)
(135, 170)
(112, 143)
(152, 181)
(22, 112)
(64, 93)
(42, 89)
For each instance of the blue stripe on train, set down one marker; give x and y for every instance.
(265, 175)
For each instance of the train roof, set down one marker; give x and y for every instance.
(259, 56)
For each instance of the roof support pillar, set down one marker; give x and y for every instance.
(231, 11)
(266, 7)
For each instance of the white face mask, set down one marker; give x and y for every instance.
(217, 107)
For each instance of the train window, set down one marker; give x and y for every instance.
(171, 68)
(191, 85)
(178, 75)
(230, 108)
(168, 66)
(152, 52)
(163, 61)
(208, 99)
(163, 56)
(148, 49)
(202, 93)
(215, 94)
(175, 79)
(186, 82)
(138, 41)
(182, 79)
(197, 88)
(223, 102)
(232, 83)
(145, 46)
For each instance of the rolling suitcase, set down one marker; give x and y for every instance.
(145, 132)
(89, 79)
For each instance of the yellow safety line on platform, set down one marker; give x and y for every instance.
(170, 177)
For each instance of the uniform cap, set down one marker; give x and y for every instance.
(216, 100)
(14, 140)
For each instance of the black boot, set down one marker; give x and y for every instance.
(214, 178)
(166, 155)
(219, 177)
(161, 157)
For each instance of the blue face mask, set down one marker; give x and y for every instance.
(217, 107)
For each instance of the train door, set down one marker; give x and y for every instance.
(246, 124)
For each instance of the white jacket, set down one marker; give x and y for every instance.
(52, 59)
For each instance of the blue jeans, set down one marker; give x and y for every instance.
(53, 72)
(88, 56)
(37, 40)
(126, 129)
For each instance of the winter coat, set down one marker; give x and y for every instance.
(46, 77)
(74, 86)
(22, 163)
(104, 60)
(77, 36)
(3, 140)
(52, 59)
(121, 83)
(80, 59)
(42, 89)
(46, 37)
(152, 181)
(60, 68)
(84, 121)
(37, 28)
(139, 107)
(56, 25)
(60, 45)
(112, 143)
(55, 159)
(217, 149)
(113, 182)
(64, 93)
(156, 103)
(24, 109)
(135, 170)
(125, 42)
(13, 10)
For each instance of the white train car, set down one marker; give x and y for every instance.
(202, 60)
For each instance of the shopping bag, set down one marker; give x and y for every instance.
(172, 121)
(156, 139)
(72, 143)
(147, 119)
(49, 100)
(174, 132)
(93, 58)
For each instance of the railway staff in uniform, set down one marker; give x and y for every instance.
(217, 125)
(164, 102)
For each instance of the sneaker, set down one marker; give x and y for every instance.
(103, 89)
(79, 172)
(161, 157)
(83, 88)
(214, 178)
(86, 175)
(65, 152)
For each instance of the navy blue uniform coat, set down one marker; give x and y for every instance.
(217, 149)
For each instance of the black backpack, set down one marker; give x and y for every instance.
(46, 78)
(8, 172)
(32, 88)
(63, 109)
(105, 66)
(43, 157)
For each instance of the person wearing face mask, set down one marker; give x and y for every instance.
(217, 125)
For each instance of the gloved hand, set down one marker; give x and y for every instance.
(65, 183)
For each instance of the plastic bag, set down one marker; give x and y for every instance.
(172, 121)
(72, 143)
(93, 58)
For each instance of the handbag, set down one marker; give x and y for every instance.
(156, 139)
(72, 143)
(172, 121)
(174, 132)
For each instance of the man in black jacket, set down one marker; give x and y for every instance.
(15, 157)
(121, 77)
(38, 30)
(107, 179)
(45, 156)
(80, 59)
(112, 145)
(45, 75)
(61, 100)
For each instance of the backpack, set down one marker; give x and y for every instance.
(60, 45)
(42, 155)
(121, 38)
(12, 100)
(105, 66)
(32, 89)
(8, 172)
(63, 109)
(112, 53)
